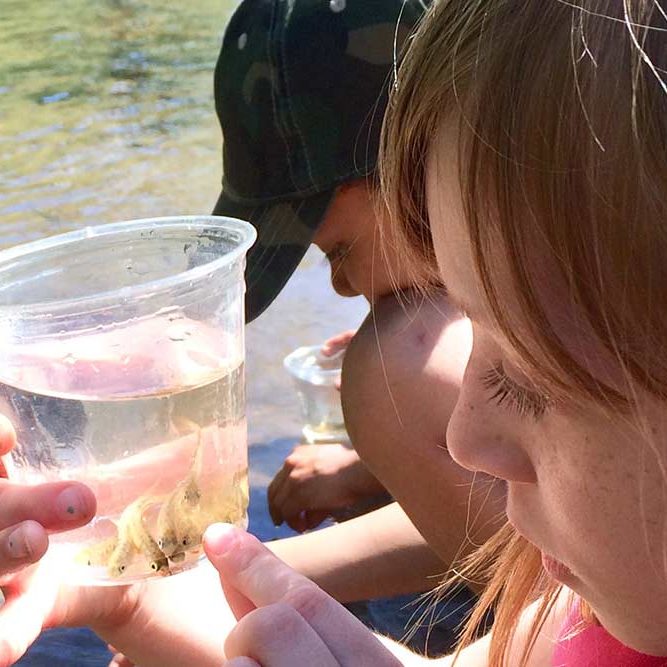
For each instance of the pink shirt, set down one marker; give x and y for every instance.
(595, 647)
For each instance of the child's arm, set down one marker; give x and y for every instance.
(175, 619)
(379, 554)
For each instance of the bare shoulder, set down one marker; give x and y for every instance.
(404, 366)
(408, 334)
(541, 655)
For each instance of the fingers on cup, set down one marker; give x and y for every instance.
(248, 568)
(337, 343)
(279, 636)
(56, 506)
(21, 545)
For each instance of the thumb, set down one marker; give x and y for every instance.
(250, 574)
(256, 577)
(218, 539)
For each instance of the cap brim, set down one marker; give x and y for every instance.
(285, 229)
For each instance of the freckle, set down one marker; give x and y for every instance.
(421, 338)
(11, 544)
(70, 509)
(471, 407)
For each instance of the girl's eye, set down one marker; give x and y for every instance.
(512, 395)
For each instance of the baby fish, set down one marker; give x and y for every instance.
(230, 504)
(176, 523)
(122, 556)
(176, 514)
(134, 539)
(99, 553)
(188, 530)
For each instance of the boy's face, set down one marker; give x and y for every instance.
(350, 236)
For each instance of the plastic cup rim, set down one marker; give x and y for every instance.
(310, 373)
(245, 229)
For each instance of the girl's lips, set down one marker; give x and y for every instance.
(556, 569)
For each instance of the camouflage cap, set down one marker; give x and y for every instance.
(300, 90)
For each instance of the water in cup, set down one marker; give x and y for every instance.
(144, 402)
(317, 382)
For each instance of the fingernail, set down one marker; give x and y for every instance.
(17, 546)
(220, 538)
(70, 504)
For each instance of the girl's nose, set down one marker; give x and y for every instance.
(480, 439)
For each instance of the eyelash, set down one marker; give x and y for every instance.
(339, 252)
(507, 393)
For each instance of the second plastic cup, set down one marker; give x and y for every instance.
(317, 382)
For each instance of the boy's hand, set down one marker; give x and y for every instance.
(284, 618)
(314, 482)
(337, 343)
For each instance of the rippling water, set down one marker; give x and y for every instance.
(106, 113)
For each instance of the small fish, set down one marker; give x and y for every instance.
(232, 503)
(135, 540)
(176, 523)
(147, 546)
(98, 553)
(187, 512)
(176, 516)
(122, 556)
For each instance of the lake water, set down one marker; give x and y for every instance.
(106, 113)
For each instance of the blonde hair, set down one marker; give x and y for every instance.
(562, 118)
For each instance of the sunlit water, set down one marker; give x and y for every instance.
(106, 113)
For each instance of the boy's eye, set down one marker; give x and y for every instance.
(506, 392)
(338, 252)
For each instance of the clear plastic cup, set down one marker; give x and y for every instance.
(122, 366)
(317, 381)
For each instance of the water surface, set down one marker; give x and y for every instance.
(106, 113)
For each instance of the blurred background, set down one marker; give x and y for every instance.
(106, 114)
